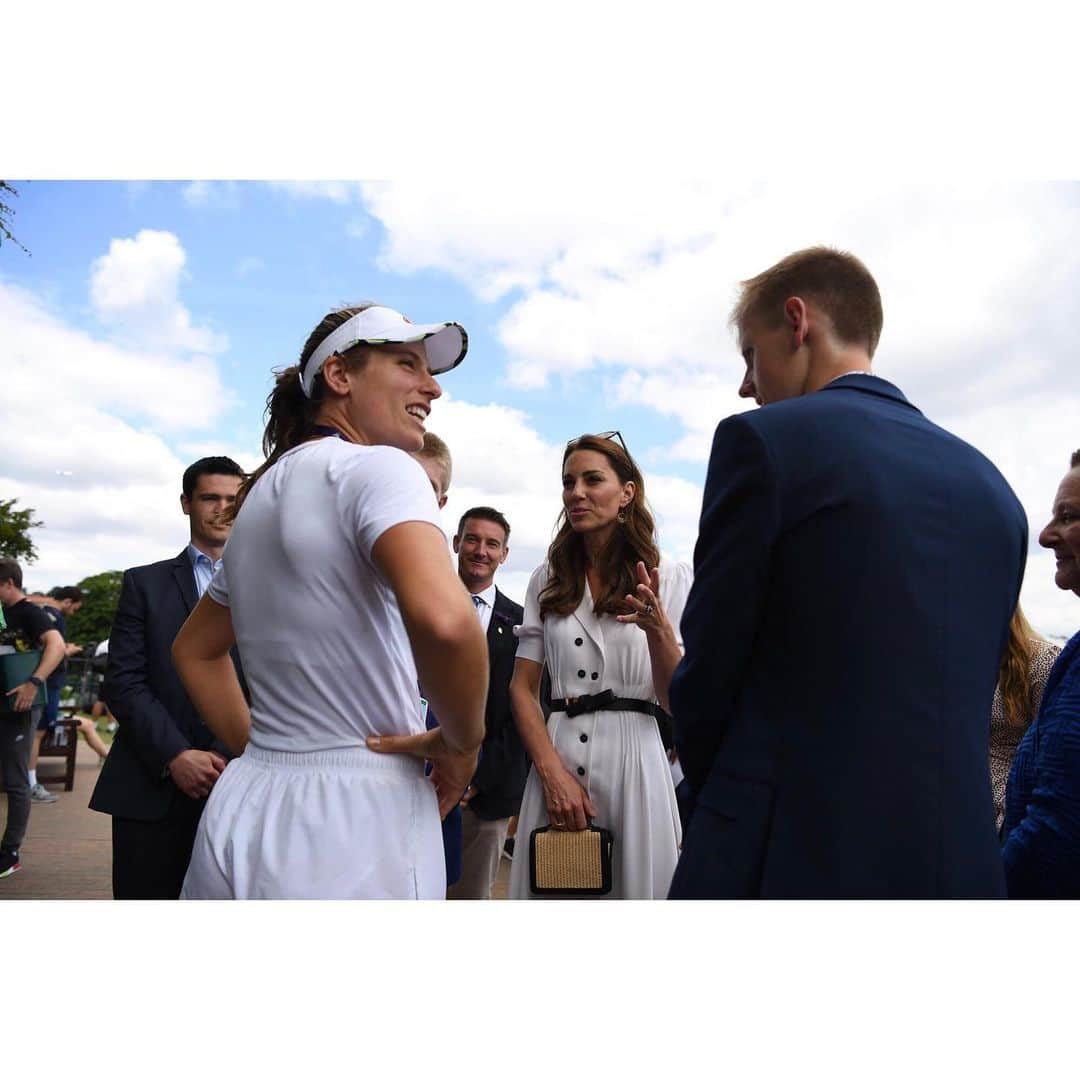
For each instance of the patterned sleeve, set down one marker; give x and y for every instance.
(1045, 655)
(530, 633)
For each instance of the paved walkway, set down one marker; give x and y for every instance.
(67, 853)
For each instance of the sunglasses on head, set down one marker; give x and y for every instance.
(611, 436)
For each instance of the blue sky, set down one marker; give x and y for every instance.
(146, 321)
(262, 267)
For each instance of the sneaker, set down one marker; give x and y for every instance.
(9, 862)
(39, 794)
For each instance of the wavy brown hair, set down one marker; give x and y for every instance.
(1014, 676)
(634, 540)
(290, 414)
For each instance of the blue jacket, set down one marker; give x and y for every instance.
(156, 717)
(854, 577)
(1042, 800)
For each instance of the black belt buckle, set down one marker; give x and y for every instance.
(575, 706)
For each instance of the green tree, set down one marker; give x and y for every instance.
(7, 213)
(93, 621)
(15, 526)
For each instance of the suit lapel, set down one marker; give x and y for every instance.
(501, 626)
(185, 580)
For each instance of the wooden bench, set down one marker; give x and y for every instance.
(62, 742)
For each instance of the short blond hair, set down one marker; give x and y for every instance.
(434, 449)
(836, 282)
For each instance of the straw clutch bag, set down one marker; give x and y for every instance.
(564, 863)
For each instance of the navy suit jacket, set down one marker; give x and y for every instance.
(854, 578)
(452, 834)
(500, 775)
(156, 718)
(500, 772)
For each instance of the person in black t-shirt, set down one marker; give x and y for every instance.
(61, 603)
(26, 627)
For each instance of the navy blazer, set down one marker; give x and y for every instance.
(1042, 800)
(504, 765)
(854, 577)
(452, 834)
(156, 718)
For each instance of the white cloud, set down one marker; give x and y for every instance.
(500, 460)
(200, 194)
(643, 278)
(249, 458)
(338, 191)
(1052, 611)
(197, 193)
(249, 264)
(85, 420)
(134, 290)
(635, 283)
(1031, 445)
(85, 373)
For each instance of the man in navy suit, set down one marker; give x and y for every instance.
(494, 795)
(855, 573)
(164, 760)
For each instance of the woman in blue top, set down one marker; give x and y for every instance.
(1042, 801)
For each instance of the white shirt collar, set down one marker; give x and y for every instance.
(488, 595)
(857, 371)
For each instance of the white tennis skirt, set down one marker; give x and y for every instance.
(337, 824)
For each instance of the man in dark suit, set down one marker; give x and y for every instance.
(494, 796)
(164, 760)
(855, 574)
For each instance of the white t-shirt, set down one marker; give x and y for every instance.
(324, 650)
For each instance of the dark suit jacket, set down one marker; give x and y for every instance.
(156, 718)
(500, 775)
(452, 835)
(855, 573)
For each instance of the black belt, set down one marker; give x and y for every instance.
(606, 701)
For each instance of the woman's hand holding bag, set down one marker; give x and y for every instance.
(568, 803)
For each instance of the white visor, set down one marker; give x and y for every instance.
(445, 343)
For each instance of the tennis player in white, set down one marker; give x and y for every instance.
(337, 588)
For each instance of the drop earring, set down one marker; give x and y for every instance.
(621, 519)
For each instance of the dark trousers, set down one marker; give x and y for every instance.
(16, 736)
(150, 858)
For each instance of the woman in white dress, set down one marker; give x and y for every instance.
(337, 588)
(601, 621)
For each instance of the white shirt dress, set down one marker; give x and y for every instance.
(617, 756)
(307, 811)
